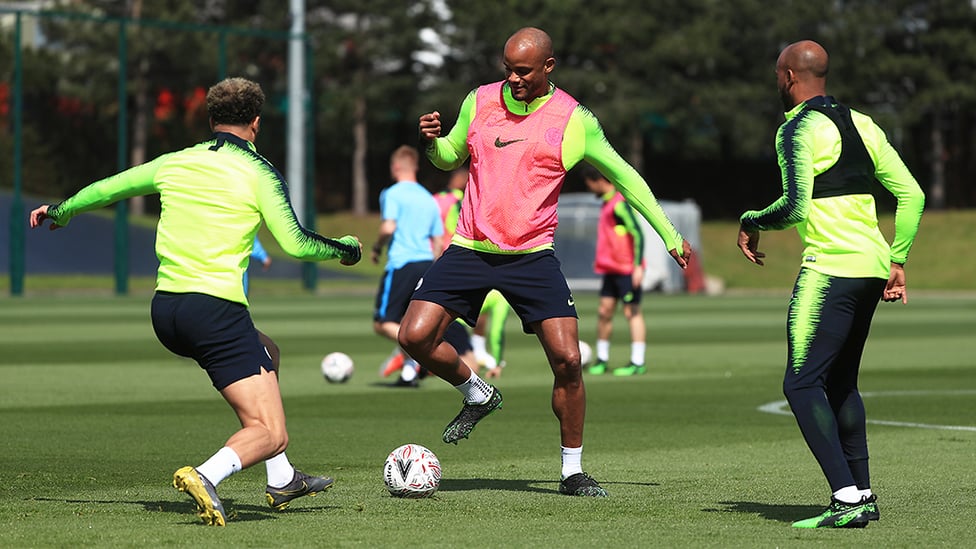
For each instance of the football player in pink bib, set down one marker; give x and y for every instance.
(522, 135)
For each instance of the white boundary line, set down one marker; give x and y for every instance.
(781, 407)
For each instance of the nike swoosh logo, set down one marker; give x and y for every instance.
(570, 302)
(499, 143)
(303, 488)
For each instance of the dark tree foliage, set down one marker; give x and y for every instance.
(685, 89)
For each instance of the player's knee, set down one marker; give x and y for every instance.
(278, 440)
(793, 390)
(566, 366)
(413, 340)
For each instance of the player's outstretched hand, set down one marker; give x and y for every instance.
(749, 244)
(895, 288)
(682, 258)
(430, 126)
(38, 215)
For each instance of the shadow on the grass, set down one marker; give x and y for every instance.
(780, 513)
(513, 485)
(235, 512)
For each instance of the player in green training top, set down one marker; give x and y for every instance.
(214, 197)
(830, 156)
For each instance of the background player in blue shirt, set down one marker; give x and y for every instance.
(411, 226)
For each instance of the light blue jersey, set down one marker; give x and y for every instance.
(418, 219)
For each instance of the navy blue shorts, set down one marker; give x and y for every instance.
(621, 287)
(459, 338)
(217, 333)
(396, 287)
(533, 284)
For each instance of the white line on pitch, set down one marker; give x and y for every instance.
(781, 407)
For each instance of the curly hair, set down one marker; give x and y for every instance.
(235, 101)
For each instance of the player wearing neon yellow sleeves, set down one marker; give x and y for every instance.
(206, 231)
(830, 156)
(522, 135)
(583, 139)
(214, 197)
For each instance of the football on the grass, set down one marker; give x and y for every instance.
(412, 471)
(586, 353)
(337, 367)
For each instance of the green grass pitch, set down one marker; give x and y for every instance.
(95, 416)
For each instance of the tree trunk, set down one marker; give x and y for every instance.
(140, 123)
(635, 154)
(360, 186)
(140, 130)
(936, 198)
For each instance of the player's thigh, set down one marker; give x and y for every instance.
(559, 337)
(257, 401)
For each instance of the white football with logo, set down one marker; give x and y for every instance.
(337, 367)
(412, 471)
(586, 353)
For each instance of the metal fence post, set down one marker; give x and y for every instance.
(122, 207)
(17, 204)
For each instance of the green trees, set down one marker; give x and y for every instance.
(684, 88)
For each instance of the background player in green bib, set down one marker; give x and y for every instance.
(830, 156)
(214, 197)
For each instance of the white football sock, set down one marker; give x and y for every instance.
(637, 349)
(409, 371)
(603, 350)
(475, 390)
(280, 471)
(848, 494)
(220, 465)
(572, 461)
(478, 344)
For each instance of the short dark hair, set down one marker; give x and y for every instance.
(235, 101)
(589, 173)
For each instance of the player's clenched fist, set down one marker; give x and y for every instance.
(430, 125)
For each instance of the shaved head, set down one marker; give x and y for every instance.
(801, 72)
(531, 38)
(805, 56)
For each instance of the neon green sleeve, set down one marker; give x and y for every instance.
(280, 218)
(497, 308)
(625, 214)
(136, 181)
(891, 171)
(797, 158)
(598, 152)
(450, 151)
